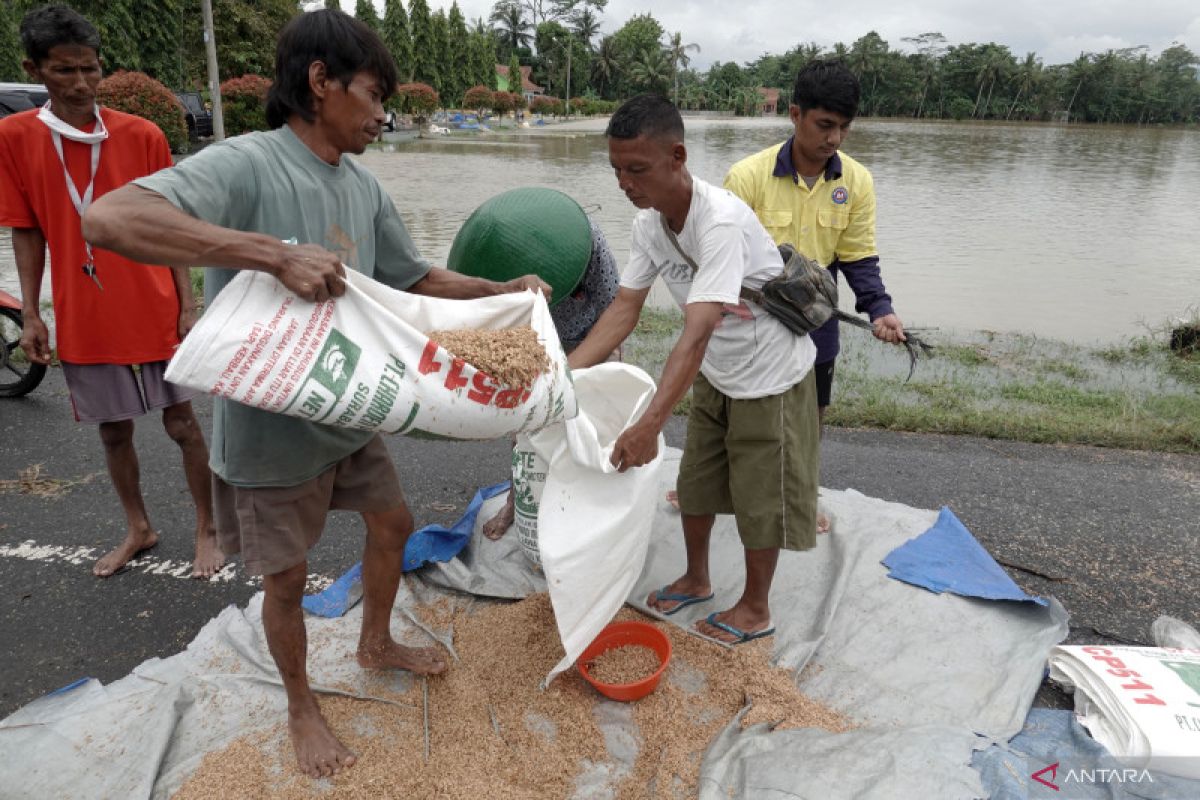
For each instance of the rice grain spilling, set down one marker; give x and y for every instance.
(513, 356)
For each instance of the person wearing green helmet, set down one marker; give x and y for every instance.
(545, 232)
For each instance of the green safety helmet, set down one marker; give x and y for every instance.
(528, 231)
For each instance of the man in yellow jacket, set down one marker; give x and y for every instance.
(809, 194)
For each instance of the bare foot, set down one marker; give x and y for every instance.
(134, 543)
(319, 754)
(673, 499)
(389, 654)
(498, 525)
(683, 586)
(738, 618)
(822, 523)
(209, 558)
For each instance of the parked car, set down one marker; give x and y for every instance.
(16, 97)
(199, 118)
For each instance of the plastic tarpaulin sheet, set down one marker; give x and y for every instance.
(947, 558)
(428, 545)
(921, 673)
(866, 764)
(1068, 763)
(960, 661)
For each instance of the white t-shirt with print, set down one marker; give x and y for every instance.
(751, 354)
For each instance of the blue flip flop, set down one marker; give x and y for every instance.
(683, 600)
(742, 636)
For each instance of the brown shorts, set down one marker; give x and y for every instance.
(756, 459)
(273, 527)
(116, 392)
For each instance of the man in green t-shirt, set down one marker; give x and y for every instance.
(231, 207)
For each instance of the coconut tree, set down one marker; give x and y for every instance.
(650, 70)
(586, 25)
(930, 47)
(995, 64)
(1029, 74)
(867, 59)
(677, 51)
(605, 64)
(512, 28)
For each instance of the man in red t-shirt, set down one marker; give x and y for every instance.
(117, 323)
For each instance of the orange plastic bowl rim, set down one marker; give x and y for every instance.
(620, 634)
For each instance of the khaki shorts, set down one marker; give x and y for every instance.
(274, 527)
(117, 392)
(756, 459)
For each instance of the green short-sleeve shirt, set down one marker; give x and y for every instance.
(271, 183)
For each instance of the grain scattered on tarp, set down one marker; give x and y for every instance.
(494, 733)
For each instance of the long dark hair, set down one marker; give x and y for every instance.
(342, 43)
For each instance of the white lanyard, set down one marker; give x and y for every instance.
(81, 203)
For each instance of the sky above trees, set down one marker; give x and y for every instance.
(1057, 30)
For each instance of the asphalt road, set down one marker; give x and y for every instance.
(1112, 534)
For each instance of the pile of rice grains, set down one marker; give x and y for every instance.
(493, 733)
(513, 356)
(629, 663)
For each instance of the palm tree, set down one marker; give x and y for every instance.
(1079, 72)
(512, 29)
(866, 58)
(650, 69)
(1028, 76)
(586, 25)
(994, 64)
(677, 51)
(606, 63)
(930, 49)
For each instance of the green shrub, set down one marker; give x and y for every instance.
(479, 98)
(418, 99)
(244, 104)
(139, 94)
(502, 102)
(544, 104)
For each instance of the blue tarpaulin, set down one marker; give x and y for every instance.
(947, 558)
(1053, 757)
(425, 546)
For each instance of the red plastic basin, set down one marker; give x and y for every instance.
(620, 634)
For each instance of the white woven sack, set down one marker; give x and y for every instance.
(529, 470)
(593, 523)
(364, 361)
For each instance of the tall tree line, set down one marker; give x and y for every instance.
(935, 79)
(164, 38)
(561, 41)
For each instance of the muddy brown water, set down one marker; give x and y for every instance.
(1085, 234)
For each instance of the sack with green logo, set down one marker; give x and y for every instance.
(364, 360)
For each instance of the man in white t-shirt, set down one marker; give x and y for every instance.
(752, 440)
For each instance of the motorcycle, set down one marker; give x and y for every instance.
(18, 375)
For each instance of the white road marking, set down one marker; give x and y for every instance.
(30, 550)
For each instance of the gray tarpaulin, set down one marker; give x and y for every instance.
(928, 677)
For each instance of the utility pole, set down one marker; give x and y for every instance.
(214, 78)
(568, 91)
